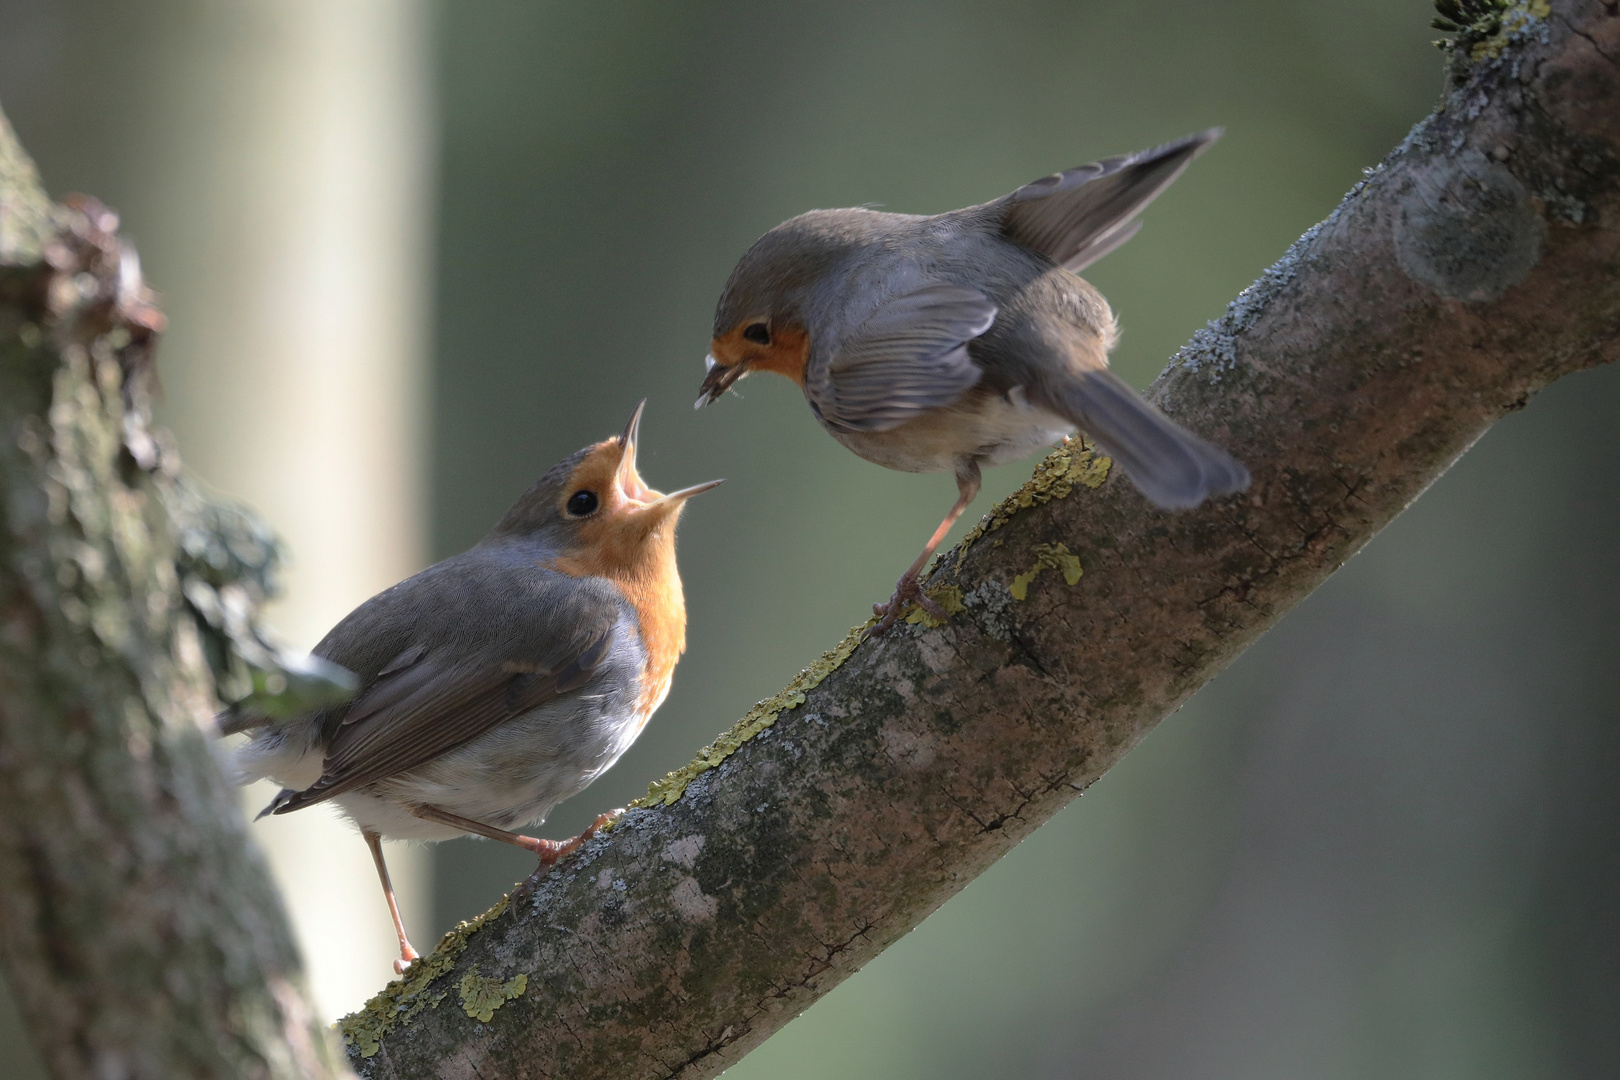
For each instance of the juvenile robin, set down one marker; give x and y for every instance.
(952, 341)
(498, 682)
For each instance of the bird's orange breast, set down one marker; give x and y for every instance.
(646, 576)
(661, 611)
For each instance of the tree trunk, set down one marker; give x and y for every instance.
(1472, 268)
(141, 935)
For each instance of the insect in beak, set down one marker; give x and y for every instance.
(717, 380)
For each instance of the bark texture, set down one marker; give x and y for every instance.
(140, 931)
(1477, 264)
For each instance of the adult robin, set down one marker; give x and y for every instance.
(501, 681)
(957, 340)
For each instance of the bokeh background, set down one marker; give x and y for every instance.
(415, 253)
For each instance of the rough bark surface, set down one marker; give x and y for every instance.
(140, 932)
(1477, 264)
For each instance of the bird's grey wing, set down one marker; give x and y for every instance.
(432, 699)
(374, 639)
(1076, 217)
(908, 356)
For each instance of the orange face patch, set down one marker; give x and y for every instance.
(630, 523)
(786, 354)
(630, 540)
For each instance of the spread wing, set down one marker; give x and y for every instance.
(434, 697)
(907, 357)
(1076, 217)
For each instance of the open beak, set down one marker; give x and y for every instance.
(632, 429)
(686, 493)
(629, 480)
(717, 381)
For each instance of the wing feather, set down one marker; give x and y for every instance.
(907, 357)
(430, 700)
(1076, 217)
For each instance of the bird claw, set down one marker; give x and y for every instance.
(528, 884)
(907, 591)
(552, 850)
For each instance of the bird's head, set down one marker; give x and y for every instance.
(760, 322)
(595, 509)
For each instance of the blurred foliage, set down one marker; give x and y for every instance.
(228, 560)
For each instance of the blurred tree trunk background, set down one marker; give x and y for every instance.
(273, 164)
(140, 929)
(1381, 844)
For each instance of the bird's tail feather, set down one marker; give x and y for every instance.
(1170, 465)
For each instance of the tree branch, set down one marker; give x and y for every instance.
(140, 931)
(1477, 264)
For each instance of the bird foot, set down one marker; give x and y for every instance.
(552, 850)
(407, 957)
(907, 591)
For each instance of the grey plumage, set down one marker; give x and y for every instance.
(945, 342)
(905, 358)
(1076, 217)
(1169, 464)
(500, 681)
(492, 688)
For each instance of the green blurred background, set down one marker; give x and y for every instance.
(1384, 844)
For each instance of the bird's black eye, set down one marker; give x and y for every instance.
(758, 332)
(581, 503)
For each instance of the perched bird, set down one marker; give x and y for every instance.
(952, 341)
(499, 682)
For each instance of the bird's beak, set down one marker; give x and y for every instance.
(686, 493)
(632, 429)
(628, 478)
(717, 380)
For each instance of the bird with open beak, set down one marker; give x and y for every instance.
(501, 681)
(958, 340)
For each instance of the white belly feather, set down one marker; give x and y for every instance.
(990, 428)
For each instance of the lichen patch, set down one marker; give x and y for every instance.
(1048, 557)
(689, 899)
(1468, 230)
(482, 995)
(948, 597)
(1075, 462)
(685, 851)
(1484, 27)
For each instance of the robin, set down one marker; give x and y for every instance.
(964, 339)
(499, 682)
